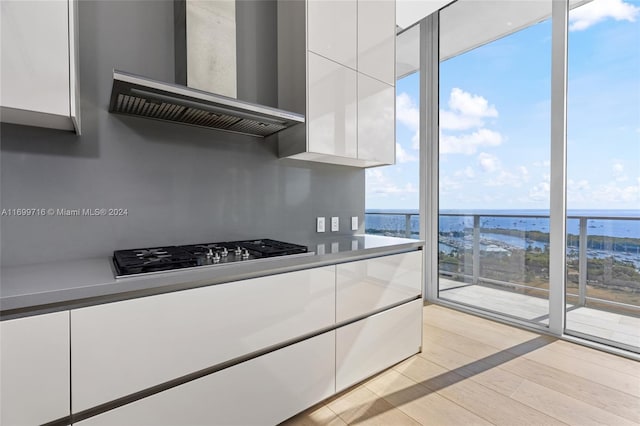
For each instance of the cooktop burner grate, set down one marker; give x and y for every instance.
(157, 259)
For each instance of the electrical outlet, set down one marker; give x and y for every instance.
(335, 224)
(354, 223)
(320, 224)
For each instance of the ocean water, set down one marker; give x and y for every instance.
(613, 223)
(625, 224)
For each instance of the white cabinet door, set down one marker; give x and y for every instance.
(34, 359)
(370, 345)
(367, 285)
(332, 29)
(376, 121)
(332, 104)
(123, 347)
(376, 39)
(38, 72)
(263, 391)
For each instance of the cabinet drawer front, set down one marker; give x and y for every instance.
(370, 345)
(34, 357)
(122, 347)
(367, 285)
(263, 391)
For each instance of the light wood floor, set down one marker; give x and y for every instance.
(474, 371)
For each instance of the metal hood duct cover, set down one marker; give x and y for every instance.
(143, 97)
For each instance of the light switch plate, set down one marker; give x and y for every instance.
(320, 224)
(335, 224)
(354, 223)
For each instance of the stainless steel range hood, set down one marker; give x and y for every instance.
(143, 97)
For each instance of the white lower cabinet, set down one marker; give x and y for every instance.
(34, 373)
(370, 345)
(123, 347)
(367, 285)
(263, 391)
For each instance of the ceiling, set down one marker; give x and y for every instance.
(467, 24)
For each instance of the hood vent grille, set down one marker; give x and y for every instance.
(139, 96)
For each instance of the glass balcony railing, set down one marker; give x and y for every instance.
(511, 252)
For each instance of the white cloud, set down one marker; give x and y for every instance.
(407, 112)
(466, 111)
(488, 163)
(539, 192)
(403, 156)
(450, 120)
(578, 191)
(467, 172)
(545, 164)
(378, 184)
(470, 142)
(617, 170)
(447, 184)
(616, 194)
(596, 11)
(468, 104)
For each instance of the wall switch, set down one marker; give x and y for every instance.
(320, 224)
(335, 224)
(354, 223)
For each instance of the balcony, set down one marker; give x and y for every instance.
(499, 263)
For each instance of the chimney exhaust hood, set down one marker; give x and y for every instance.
(144, 97)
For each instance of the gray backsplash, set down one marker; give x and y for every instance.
(179, 184)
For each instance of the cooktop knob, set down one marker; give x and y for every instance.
(224, 252)
(238, 251)
(245, 254)
(209, 253)
(216, 257)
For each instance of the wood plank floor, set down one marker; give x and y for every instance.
(474, 371)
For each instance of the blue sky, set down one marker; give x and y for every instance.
(494, 120)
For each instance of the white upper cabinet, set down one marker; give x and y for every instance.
(376, 39)
(39, 81)
(35, 361)
(336, 65)
(332, 30)
(376, 121)
(332, 108)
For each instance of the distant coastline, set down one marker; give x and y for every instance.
(622, 213)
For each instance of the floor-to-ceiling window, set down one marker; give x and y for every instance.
(494, 145)
(603, 172)
(392, 192)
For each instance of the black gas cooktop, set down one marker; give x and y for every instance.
(158, 259)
